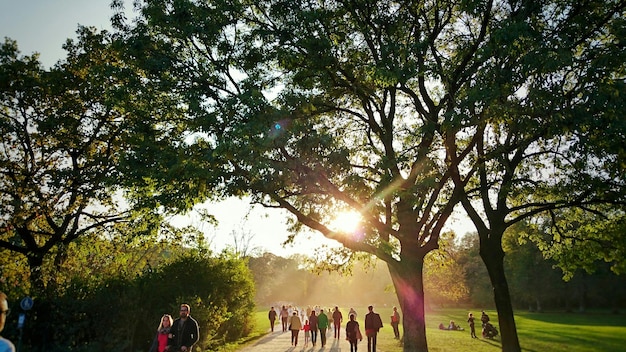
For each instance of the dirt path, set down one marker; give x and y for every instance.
(279, 341)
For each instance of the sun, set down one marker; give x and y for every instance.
(347, 222)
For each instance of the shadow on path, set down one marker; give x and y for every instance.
(281, 342)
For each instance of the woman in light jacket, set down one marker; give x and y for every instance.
(295, 325)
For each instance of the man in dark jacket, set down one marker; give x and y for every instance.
(373, 323)
(272, 317)
(337, 320)
(185, 332)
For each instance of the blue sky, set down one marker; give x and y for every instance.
(44, 25)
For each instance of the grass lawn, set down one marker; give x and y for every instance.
(567, 332)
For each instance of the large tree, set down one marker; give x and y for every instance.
(545, 118)
(62, 131)
(381, 107)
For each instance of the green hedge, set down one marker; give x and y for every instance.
(122, 314)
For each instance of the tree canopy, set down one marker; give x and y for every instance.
(62, 131)
(398, 110)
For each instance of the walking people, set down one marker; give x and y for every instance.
(284, 316)
(353, 333)
(295, 325)
(373, 323)
(322, 325)
(5, 344)
(162, 338)
(395, 321)
(337, 320)
(185, 331)
(313, 324)
(470, 320)
(271, 315)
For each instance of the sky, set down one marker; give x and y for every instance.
(43, 26)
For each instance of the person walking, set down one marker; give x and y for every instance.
(284, 316)
(163, 335)
(307, 332)
(373, 323)
(395, 321)
(295, 325)
(470, 320)
(185, 331)
(353, 333)
(330, 320)
(313, 324)
(337, 320)
(5, 344)
(322, 326)
(271, 315)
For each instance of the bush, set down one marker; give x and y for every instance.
(122, 314)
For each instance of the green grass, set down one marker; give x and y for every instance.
(261, 326)
(555, 332)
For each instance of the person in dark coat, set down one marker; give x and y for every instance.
(272, 317)
(353, 333)
(337, 320)
(373, 323)
(185, 331)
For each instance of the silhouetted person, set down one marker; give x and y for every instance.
(353, 333)
(373, 323)
(271, 315)
(395, 321)
(337, 320)
(313, 325)
(284, 315)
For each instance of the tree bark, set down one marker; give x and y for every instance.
(408, 281)
(37, 283)
(493, 256)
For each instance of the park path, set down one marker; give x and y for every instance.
(279, 341)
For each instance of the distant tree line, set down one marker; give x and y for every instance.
(455, 276)
(538, 283)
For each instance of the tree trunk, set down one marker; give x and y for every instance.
(37, 283)
(493, 256)
(582, 298)
(539, 306)
(408, 281)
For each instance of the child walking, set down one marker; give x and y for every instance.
(307, 332)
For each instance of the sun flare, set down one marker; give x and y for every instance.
(347, 222)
